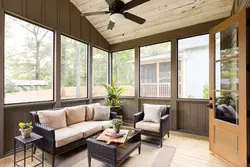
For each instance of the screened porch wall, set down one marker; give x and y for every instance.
(187, 115)
(62, 17)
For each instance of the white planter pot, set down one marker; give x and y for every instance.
(26, 132)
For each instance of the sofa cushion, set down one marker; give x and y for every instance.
(148, 126)
(66, 135)
(55, 119)
(86, 128)
(152, 113)
(75, 114)
(90, 111)
(103, 124)
(101, 113)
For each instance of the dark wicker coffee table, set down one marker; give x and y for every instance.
(114, 154)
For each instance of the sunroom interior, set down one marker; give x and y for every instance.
(51, 56)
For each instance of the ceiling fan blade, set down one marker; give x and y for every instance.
(134, 18)
(111, 25)
(134, 3)
(109, 2)
(96, 13)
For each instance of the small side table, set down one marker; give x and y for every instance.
(24, 142)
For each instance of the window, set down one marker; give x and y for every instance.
(193, 67)
(73, 68)
(155, 70)
(100, 72)
(124, 71)
(28, 62)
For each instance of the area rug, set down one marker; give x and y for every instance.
(151, 156)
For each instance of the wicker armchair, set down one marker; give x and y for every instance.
(48, 143)
(164, 125)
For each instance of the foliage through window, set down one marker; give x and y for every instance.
(100, 72)
(193, 70)
(73, 68)
(155, 70)
(28, 62)
(124, 71)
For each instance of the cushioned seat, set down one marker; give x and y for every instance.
(148, 126)
(86, 128)
(103, 124)
(66, 135)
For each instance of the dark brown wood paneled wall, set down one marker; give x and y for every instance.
(73, 103)
(34, 10)
(129, 108)
(62, 17)
(193, 117)
(59, 15)
(12, 116)
(50, 13)
(153, 101)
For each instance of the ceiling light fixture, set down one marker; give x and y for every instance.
(117, 17)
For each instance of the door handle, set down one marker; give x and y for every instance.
(210, 105)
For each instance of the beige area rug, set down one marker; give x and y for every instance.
(151, 156)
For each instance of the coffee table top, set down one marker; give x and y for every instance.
(132, 132)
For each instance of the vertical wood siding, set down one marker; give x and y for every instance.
(193, 117)
(12, 116)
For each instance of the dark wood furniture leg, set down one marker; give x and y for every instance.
(53, 160)
(89, 161)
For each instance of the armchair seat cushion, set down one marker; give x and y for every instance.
(66, 135)
(148, 126)
(86, 128)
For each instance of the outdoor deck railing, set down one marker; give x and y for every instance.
(155, 90)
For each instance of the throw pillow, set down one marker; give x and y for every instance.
(55, 119)
(101, 113)
(75, 114)
(152, 113)
(164, 108)
(90, 111)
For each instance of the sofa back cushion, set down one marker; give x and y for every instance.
(101, 113)
(75, 114)
(152, 113)
(90, 111)
(55, 119)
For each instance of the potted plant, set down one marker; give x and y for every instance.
(117, 123)
(25, 129)
(113, 97)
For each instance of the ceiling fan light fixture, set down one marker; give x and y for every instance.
(117, 17)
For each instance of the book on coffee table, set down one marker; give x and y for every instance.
(110, 137)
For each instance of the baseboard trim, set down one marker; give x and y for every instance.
(11, 152)
(192, 132)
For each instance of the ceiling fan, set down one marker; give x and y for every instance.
(117, 12)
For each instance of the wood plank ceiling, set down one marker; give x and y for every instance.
(161, 16)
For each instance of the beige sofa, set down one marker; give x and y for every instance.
(67, 128)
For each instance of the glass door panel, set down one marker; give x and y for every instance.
(227, 75)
